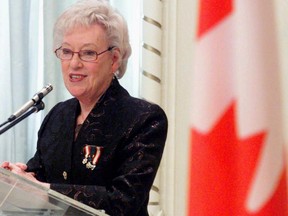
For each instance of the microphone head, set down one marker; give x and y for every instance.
(45, 90)
(49, 88)
(42, 93)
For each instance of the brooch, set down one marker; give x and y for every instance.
(91, 156)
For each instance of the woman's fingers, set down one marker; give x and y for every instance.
(21, 166)
(5, 164)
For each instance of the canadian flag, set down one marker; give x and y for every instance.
(237, 148)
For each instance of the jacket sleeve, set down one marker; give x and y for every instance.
(138, 159)
(35, 163)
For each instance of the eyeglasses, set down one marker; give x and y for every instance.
(84, 55)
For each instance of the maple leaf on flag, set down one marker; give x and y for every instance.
(222, 168)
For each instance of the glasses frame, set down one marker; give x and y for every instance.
(79, 56)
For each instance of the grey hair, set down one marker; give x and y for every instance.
(89, 12)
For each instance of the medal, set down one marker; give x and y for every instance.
(91, 156)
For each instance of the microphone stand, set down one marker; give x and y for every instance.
(34, 109)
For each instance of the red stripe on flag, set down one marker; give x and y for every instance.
(211, 13)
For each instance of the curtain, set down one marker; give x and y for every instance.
(19, 72)
(131, 10)
(28, 63)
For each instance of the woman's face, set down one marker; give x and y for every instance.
(87, 81)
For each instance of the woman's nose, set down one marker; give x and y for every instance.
(76, 61)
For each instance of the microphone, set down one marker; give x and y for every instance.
(37, 98)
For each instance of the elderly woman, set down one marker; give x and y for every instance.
(102, 147)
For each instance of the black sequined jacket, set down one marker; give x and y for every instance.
(113, 161)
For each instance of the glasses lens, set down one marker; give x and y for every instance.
(88, 55)
(64, 54)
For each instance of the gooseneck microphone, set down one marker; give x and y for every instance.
(36, 99)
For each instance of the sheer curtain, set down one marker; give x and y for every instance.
(19, 72)
(28, 63)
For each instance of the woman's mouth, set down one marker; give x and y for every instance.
(76, 77)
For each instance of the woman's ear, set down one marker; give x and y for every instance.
(116, 59)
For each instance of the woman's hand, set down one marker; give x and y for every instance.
(20, 169)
